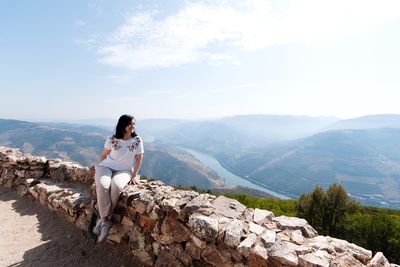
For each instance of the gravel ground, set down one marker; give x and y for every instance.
(32, 235)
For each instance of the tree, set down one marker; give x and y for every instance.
(377, 232)
(326, 211)
(311, 207)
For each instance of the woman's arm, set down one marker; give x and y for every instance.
(138, 163)
(103, 155)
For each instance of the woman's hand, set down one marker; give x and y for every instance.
(135, 179)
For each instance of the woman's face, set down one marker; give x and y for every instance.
(130, 128)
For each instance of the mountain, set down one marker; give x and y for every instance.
(84, 143)
(366, 162)
(81, 144)
(176, 167)
(367, 122)
(151, 127)
(275, 128)
(240, 132)
(210, 136)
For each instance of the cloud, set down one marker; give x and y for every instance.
(213, 31)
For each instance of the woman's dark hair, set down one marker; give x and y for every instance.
(123, 121)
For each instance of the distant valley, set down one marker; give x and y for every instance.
(366, 162)
(362, 153)
(286, 154)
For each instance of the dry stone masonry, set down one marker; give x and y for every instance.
(167, 227)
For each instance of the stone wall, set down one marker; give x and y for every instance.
(167, 227)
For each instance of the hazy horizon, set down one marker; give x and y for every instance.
(199, 59)
(170, 118)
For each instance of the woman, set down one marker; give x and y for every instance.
(118, 164)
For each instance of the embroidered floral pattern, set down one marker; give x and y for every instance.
(114, 144)
(134, 145)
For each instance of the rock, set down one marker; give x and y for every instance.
(268, 238)
(66, 171)
(46, 188)
(248, 215)
(305, 249)
(184, 197)
(117, 232)
(293, 223)
(198, 242)
(32, 190)
(139, 200)
(347, 260)
(146, 223)
(169, 203)
(30, 181)
(193, 250)
(22, 190)
(77, 199)
(283, 235)
(245, 246)
(126, 221)
(140, 245)
(166, 258)
(228, 207)
(34, 174)
(255, 228)
(195, 247)
(172, 208)
(270, 225)
(258, 257)
(233, 233)
(213, 256)
(379, 260)
(8, 176)
(296, 237)
(313, 260)
(285, 253)
(235, 255)
(262, 216)
(323, 243)
(180, 253)
(223, 223)
(200, 201)
(160, 192)
(83, 222)
(20, 174)
(358, 252)
(177, 231)
(204, 227)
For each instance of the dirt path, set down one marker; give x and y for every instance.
(32, 235)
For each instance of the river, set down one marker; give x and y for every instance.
(230, 178)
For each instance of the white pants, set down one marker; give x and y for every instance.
(109, 184)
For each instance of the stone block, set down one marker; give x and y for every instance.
(204, 227)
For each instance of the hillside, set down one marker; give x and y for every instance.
(366, 162)
(367, 122)
(176, 167)
(83, 144)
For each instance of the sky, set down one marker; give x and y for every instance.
(77, 59)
